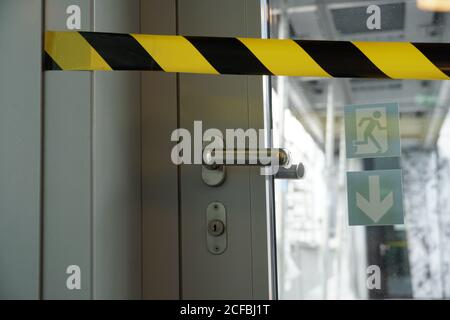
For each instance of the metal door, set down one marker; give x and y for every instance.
(244, 270)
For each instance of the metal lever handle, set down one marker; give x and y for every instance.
(215, 162)
(213, 159)
(296, 171)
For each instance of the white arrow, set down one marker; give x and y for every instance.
(375, 208)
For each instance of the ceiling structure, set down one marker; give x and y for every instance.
(423, 104)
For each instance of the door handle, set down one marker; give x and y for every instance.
(213, 158)
(216, 160)
(295, 171)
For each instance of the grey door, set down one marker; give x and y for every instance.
(244, 270)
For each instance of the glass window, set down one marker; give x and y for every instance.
(319, 255)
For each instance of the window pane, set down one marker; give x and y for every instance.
(319, 255)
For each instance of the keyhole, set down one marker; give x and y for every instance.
(216, 228)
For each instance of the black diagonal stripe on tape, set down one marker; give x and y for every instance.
(341, 59)
(121, 51)
(437, 53)
(228, 55)
(49, 63)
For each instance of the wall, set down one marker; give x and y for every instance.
(20, 145)
(92, 178)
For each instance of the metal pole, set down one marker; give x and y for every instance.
(329, 171)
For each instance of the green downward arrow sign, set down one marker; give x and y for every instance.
(375, 197)
(375, 208)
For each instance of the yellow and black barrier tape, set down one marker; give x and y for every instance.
(69, 50)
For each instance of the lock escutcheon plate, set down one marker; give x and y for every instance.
(216, 228)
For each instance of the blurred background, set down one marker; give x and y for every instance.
(318, 255)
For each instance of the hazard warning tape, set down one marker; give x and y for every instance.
(69, 50)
